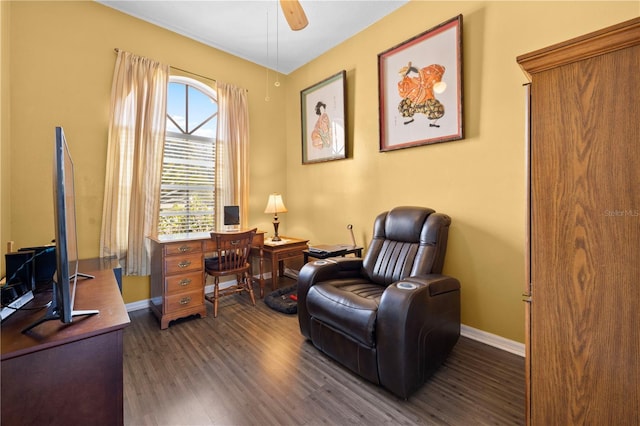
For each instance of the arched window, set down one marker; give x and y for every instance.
(187, 192)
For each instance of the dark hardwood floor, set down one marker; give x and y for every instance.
(251, 366)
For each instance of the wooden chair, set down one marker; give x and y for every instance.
(230, 257)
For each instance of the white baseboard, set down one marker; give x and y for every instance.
(137, 305)
(493, 340)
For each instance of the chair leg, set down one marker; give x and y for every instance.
(240, 285)
(249, 286)
(216, 295)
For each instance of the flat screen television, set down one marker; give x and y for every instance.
(66, 275)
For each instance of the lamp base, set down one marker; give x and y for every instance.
(276, 224)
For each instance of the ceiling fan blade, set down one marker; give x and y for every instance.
(294, 13)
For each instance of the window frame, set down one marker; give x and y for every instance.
(187, 134)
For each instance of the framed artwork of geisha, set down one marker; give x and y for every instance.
(420, 89)
(324, 125)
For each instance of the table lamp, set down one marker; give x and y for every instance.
(275, 206)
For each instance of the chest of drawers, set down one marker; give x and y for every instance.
(177, 274)
(177, 280)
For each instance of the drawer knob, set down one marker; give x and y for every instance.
(184, 249)
(184, 263)
(185, 300)
(185, 281)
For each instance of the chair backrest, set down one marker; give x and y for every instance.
(407, 241)
(231, 250)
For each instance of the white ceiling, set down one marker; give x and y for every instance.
(247, 28)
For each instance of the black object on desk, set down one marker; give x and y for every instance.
(324, 251)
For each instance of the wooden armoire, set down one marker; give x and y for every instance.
(583, 263)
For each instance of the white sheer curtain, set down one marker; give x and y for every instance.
(232, 152)
(134, 160)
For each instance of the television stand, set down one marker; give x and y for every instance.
(76, 369)
(100, 263)
(87, 276)
(53, 315)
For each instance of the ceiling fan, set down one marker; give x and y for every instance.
(294, 13)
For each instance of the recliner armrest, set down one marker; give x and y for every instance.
(331, 268)
(318, 271)
(418, 323)
(437, 283)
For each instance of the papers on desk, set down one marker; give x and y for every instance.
(329, 248)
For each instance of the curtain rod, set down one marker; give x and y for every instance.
(180, 69)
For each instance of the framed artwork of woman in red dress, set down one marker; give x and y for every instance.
(324, 126)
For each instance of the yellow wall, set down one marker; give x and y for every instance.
(62, 61)
(478, 181)
(60, 64)
(5, 200)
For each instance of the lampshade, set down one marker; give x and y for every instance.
(275, 204)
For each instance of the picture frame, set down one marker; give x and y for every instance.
(420, 89)
(324, 123)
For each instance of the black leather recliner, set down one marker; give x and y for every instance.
(391, 317)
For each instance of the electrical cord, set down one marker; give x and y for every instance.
(25, 263)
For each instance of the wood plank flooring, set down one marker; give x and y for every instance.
(251, 366)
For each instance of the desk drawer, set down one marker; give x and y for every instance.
(178, 302)
(209, 245)
(291, 253)
(184, 263)
(185, 282)
(182, 248)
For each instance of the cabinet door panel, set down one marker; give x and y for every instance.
(585, 241)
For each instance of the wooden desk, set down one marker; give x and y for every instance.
(278, 251)
(177, 274)
(66, 373)
(100, 263)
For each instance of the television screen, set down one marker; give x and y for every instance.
(65, 222)
(66, 275)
